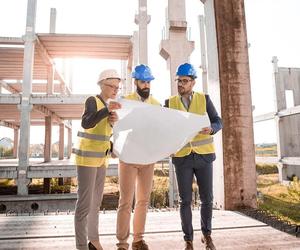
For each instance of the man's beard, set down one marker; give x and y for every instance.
(144, 93)
(181, 91)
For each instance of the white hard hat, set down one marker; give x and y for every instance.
(107, 74)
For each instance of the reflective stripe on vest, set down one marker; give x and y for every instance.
(88, 153)
(93, 136)
(199, 143)
(93, 143)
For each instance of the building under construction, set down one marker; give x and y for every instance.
(40, 95)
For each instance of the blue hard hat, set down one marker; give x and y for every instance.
(186, 69)
(142, 72)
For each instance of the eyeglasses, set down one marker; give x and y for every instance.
(183, 81)
(112, 87)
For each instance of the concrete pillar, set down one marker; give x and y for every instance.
(69, 143)
(16, 142)
(61, 148)
(173, 188)
(203, 54)
(50, 68)
(123, 76)
(213, 88)
(143, 19)
(50, 80)
(61, 141)
(47, 150)
(25, 106)
(238, 139)
(169, 48)
(128, 82)
(279, 105)
(133, 61)
(52, 20)
(135, 48)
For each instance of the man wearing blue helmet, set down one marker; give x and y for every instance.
(195, 158)
(135, 178)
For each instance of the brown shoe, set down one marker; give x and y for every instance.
(140, 245)
(189, 245)
(121, 248)
(207, 240)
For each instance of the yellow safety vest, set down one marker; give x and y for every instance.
(201, 144)
(134, 96)
(94, 143)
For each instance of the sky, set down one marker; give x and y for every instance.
(271, 26)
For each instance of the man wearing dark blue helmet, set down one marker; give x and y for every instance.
(195, 158)
(135, 178)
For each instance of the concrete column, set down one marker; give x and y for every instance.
(16, 142)
(61, 148)
(52, 20)
(69, 142)
(25, 106)
(135, 48)
(203, 54)
(213, 88)
(47, 150)
(169, 48)
(173, 188)
(50, 80)
(48, 139)
(239, 153)
(123, 76)
(61, 141)
(132, 62)
(279, 105)
(143, 19)
(128, 81)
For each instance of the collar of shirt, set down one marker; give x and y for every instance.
(187, 101)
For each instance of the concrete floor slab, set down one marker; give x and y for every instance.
(231, 230)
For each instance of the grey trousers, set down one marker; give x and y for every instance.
(89, 197)
(186, 168)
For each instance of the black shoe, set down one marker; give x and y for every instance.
(91, 246)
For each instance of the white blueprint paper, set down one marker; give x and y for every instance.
(145, 133)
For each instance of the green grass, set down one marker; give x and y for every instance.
(284, 210)
(279, 200)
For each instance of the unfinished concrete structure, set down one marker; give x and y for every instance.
(227, 74)
(23, 71)
(287, 119)
(176, 48)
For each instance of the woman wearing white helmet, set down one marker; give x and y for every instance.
(91, 157)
